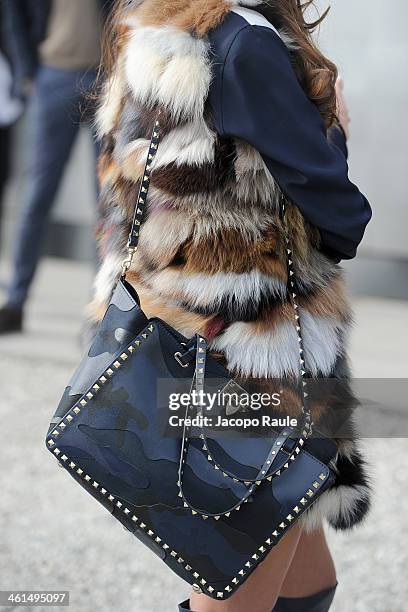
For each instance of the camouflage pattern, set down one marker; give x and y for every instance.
(107, 433)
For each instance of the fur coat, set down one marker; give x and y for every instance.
(211, 255)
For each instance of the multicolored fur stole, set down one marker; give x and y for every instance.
(211, 257)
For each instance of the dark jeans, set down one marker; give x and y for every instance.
(56, 111)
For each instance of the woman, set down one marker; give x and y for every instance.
(248, 111)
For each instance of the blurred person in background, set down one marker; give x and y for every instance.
(55, 49)
(11, 108)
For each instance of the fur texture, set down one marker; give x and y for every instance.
(211, 255)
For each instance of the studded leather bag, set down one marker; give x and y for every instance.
(211, 507)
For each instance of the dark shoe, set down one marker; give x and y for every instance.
(320, 602)
(11, 320)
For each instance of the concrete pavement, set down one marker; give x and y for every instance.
(54, 536)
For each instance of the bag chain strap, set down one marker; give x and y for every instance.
(202, 346)
(140, 208)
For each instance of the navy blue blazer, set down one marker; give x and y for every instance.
(255, 96)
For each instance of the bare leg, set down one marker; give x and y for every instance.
(312, 568)
(260, 592)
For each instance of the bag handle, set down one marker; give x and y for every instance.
(202, 346)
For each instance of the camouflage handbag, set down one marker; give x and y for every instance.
(211, 508)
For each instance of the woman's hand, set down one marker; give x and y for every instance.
(342, 108)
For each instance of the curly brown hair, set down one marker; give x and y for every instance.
(315, 72)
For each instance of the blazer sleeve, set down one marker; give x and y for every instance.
(262, 102)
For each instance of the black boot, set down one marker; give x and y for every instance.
(320, 602)
(11, 319)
